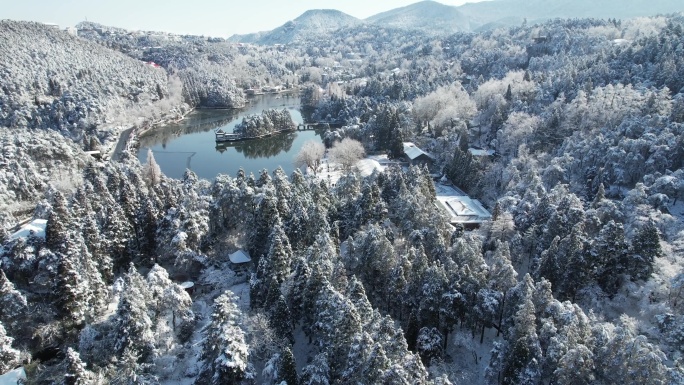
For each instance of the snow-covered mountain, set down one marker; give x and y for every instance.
(428, 16)
(436, 18)
(311, 23)
(495, 13)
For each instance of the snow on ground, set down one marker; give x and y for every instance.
(13, 376)
(301, 349)
(643, 301)
(466, 358)
(188, 363)
(35, 228)
(677, 209)
(212, 282)
(332, 172)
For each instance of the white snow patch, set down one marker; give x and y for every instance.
(13, 376)
(35, 228)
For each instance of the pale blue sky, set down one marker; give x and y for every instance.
(200, 17)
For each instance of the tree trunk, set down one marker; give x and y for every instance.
(482, 334)
(503, 302)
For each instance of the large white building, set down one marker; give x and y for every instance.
(460, 208)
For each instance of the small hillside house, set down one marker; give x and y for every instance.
(239, 260)
(416, 156)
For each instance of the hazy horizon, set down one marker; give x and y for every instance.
(204, 17)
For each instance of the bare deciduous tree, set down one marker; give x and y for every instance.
(346, 153)
(151, 170)
(310, 155)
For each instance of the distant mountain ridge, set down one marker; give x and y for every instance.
(511, 12)
(436, 18)
(427, 16)
(311, 22)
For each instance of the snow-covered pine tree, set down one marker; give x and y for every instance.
(13, 305)
(171, 302)
(287, 368)
(72, 291)
(58, 223)
(608, 255)
(522, 361)
(644, 250)
(429, 345)
(317, 372)
(502, 275)
(76, 372)
(225, 351)
(281, 320)
(133, 335)
(9, 356)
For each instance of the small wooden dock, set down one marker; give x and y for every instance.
(222, 136)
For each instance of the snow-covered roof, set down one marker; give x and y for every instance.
(13, 376)
(480, 152)
(187, 284)
(463, 209)
(36, 227)
(413, 152)
(367, 166)
(459, 207)
(332, 172)
(240, 256)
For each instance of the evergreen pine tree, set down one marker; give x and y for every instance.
(225, 351)
(76, 372)
(645, 249)
(608, 254)
(462, 170)
(72, 292)
(59, 220)
(132, 323)
(287, 369)
(317, 372)
(522, 361)
(281, 320)
(13, 305)
(9, 357)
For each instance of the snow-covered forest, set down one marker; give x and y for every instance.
(578, 278)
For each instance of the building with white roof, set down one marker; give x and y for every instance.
(480, 152)
(239, 257)
(417, 156)
(460, 208)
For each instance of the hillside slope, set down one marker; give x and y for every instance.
(510, 12)
(428, 16)
(311, 23)
(436, 18)
(54, 80)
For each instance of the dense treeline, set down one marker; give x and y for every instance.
(53, 80)
(213, 71)
(266, 123)
(578, 278)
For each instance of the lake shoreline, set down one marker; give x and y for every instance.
(191, 144)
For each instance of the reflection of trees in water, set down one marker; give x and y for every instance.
(307, 113)
(200, 121)
(260, 148)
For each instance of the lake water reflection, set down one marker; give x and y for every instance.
(191, 145)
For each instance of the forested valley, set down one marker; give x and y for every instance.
(578, 278)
